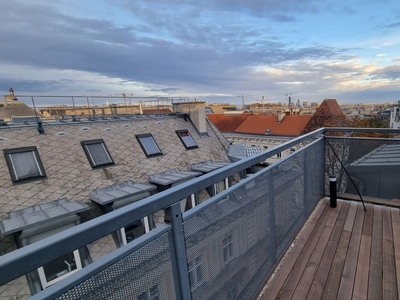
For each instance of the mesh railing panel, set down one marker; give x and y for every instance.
(147, 273)
(233, 245)
(372, 164)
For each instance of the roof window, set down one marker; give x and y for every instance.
(97, 153)
(24, 164)
(148, 144)
(186, 139)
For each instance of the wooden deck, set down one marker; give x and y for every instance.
(342, 253)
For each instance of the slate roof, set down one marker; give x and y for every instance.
(290, 125)
(328, 114)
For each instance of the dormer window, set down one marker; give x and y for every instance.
(24, 164)
(148, 144)
(97, 153)
(186, 139)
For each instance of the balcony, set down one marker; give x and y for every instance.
(229, 246)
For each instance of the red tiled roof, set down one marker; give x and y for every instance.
(290, 125)
(227, 123)
(328, 114)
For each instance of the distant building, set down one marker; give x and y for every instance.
(328, 114)
(264, 132)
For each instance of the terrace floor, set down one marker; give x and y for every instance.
(342, 253)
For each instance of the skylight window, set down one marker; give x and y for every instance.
(24, 164)
(97, 153)
(148, 144)
(186, 139)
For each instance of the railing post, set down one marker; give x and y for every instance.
(174, 216)
(332, 187)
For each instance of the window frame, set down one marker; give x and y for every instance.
(184, 131)
(11, 165)
(146, 225)
(195, 267)
(89, 156)
(146, 135)
(42, 275)
(217, 184)
(228, 251)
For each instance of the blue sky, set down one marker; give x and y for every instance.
(205, 50)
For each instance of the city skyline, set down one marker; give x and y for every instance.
(216, 52)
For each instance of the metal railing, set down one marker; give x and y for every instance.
(224, 247)
(55, 107)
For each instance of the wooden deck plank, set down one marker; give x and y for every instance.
(356, 255)
(395, 213)
(369, 215)
(335, 273)
(351, 216)
(321, 276)
(389, 272)
(360, 290)
(349, 271)
(387, 224)
(396, 245)
(375, 280)
(274, 286)
(291, 282)
(308, 275)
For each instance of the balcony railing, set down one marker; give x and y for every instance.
(61, 107)
(224, 248)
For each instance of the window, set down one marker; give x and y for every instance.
(279, 155)
(59, 268)
(196, 275)
(136, 229)
(265, 148)
(221, 186)
(188, 203)
(150, 294)
(97, 153)
(227, 248)
(148, 145)
(24, 164)
(186, 139)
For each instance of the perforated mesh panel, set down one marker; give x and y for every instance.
(233, 245)
(147, 273)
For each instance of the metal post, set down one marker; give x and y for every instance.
(173, 215)
(332, 186)
(73, 103)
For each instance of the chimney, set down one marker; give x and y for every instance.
(281, 115)
(196, 112)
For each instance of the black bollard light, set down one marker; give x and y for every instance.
(332, 186)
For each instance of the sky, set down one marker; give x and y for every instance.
(215, 51)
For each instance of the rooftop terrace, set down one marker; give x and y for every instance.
(228, 246)
(342, 253)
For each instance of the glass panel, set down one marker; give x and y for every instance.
(187, 139)
(220, 186)
(25, 165)
(98, 154)
(134, 230)
(60, 267)
(149, 145)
